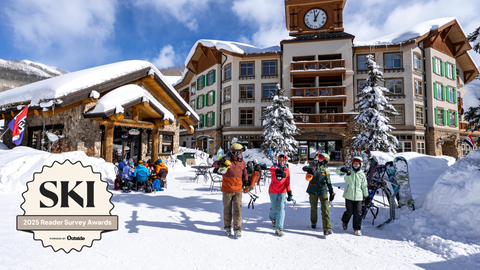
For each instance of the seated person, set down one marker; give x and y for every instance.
(122, 164)
(256, 176)
(161, 170)
(141, 172)
(127, 172)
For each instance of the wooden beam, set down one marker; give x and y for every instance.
(117, 117)
(51, 113)
(109, 127)
(135, 114)
(187, 126)
(155, 143)
(37, 113)
(12, 113)
(90, 99)
(447, 31)
(460, 46)
(435, 37)
(183, 117)
(161, 122)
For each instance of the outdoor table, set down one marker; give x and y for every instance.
(201, 170)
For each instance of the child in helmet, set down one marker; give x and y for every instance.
(279, 187)
(355, 191)
(318, 186)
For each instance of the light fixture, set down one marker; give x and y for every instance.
(440, 141)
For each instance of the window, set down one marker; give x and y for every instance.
(210, 98)
(397, 119)
(419, 115)
(167, 141)
(407, 146)
(201, 82)
(246, 69)
(417, 61)
(421, 147)
(246, 91)
(437, 68)
(246, 116)
(200, 102)
(418, 88)
(193, 89)
(227, 94)
(226, 118)
(438, 90)
(192, 104)
(268, 90)
(451, 94)
(361, 84)
(228, 71)
(395, 86)
(393, 60)
(361, 62)
(269, 68)
(451, 119)
(211, 77)
(449, 70)
(440, 118)
(210, 119)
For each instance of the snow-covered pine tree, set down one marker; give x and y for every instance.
(372, 119)
(472, 114)
(279, 127)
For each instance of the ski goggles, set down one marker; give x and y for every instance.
(321, 157)
(356, 160)
(282, 157)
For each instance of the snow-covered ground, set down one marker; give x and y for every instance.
(182, 227)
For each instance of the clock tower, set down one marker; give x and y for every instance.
(314, 16)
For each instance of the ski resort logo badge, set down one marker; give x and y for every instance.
(67, 206)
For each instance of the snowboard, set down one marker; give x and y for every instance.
(403, 179)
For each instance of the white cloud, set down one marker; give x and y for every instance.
(166, 58)
(67, 29)
(268, 15)
(184, 11)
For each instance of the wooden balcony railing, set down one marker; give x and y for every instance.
(317, 65)
(318, 91)
(335, 119)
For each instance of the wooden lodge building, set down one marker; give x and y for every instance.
(116, 111)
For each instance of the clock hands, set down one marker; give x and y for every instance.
(315, 15)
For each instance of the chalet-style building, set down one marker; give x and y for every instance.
(116, 111)
(322, 68)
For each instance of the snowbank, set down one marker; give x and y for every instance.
(18, 165)
(454, 197)
(3, 146)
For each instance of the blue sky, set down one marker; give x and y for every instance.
(79, 34)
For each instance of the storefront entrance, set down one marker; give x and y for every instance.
(126, 144)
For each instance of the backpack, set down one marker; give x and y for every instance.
(127, 187)
(156, 184)
(118, 184)
(149, 187)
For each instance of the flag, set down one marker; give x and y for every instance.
(470, 141)
(17, 126)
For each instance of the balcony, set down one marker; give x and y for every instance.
(463, 126)
(316, 94)
(321, 120)
(317, 68)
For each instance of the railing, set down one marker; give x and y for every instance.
(317, 65)
(318, 91)
(327, 118)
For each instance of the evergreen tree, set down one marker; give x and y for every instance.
(279, 127)
(372, 119)
(472, 114)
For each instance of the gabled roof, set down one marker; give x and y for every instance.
(71, 88)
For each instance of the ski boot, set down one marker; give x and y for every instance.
(358, 232)
(314, 225)
(238, 234)
(344, 226)
(327, 232)
(228, 231)
(279, 232)
(273, 222)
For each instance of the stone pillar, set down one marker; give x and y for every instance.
(155, 142)
(109, 127)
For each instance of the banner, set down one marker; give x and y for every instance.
(17, 126)
(470, 141)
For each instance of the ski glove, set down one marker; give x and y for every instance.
(289, 198)
(345, 170)
(368, 200)
(332, 196)
(280, 174)
(310, 171)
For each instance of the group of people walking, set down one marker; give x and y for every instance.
(319, 189)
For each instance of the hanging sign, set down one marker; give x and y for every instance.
(303, 151)
(133, 132)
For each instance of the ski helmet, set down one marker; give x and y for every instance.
(357, 159)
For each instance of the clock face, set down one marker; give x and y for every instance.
(315, 18)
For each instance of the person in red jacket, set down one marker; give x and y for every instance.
(279, 185)
(233, 181)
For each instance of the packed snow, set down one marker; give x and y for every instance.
(407, 35)
(472, 97)
(182, 227)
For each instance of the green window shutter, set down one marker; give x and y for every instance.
(454, 95)
(213, 118)
(197, 103)
(213, 98)
(204, 97)
(436, 116)
(443, 67)
(434, 65)
(445, 117)
(448, 117)
(447, 93)
(198, 83)
(434, 90)
(201, 121)
(456, 119)
(206, 79)
(443, 92)
(203, 83)
(453, 72)
(205, 120)
(214, 77)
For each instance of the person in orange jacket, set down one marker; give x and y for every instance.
(161, 170)
(233, 181)
(279, 185)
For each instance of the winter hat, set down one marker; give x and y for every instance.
(125, 160)
(158, 161)
(140, 161)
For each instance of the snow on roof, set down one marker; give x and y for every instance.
(125, 94)
(172, 80)
(58, 87)
(230, 46)
(403, 36)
